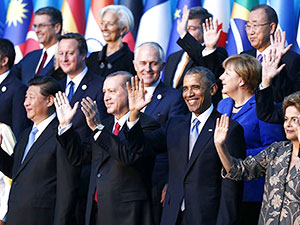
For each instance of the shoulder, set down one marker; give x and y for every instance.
(222, 51)
(291, 55)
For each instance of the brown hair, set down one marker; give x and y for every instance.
(292, 100)
(248, 68)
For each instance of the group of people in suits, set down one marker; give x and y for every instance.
(97, 145)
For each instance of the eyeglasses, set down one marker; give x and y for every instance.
(255, 26)
(41, 26)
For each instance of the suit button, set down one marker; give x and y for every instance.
(98, 175)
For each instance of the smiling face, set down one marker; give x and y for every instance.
(36, 105)
(46, 31)
(115, 96)
(259, 37)
(69, 58)
(196, 93)
(111, 27)
(148, 64)
(290, 123)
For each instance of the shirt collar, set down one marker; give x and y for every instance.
(264, 52)
(203, 116)
(42, 125)
(51, 50)
(122, 120)
(3, 76)
(77, 79)
(150, 90)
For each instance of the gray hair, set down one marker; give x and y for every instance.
(125, 75)
(124, 14)
(153, 45)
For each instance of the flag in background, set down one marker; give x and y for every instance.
(155, 24)
(237, 40)
(17, 23)
(286, 17)
(73, 12)
(93, 33)
(220, 9)
(136, 8)
(173, 47)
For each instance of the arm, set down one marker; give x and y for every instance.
(6, 161)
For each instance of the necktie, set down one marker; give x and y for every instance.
(194, 135)
(115, 132)
(71, 90)
(183, 68)
(30, 142)
(117, 129)
(260, 58)
(42, 64)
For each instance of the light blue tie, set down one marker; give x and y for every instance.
(30, 142)
(194, 135)
(71, 91)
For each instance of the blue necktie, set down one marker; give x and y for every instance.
(194, 135)
(71, 91)
(260, 58)
(30, 142)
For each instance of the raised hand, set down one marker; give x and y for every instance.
(136, 97)
(182, 24)
(278, 42)
(221, 130)
(64, 111)
(270, 67)
(211, 35)
(90, 110)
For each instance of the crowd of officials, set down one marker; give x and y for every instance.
(104, 140)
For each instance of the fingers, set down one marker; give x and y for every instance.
(88, 107)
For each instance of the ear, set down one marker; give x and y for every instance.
(50, 101)
(57, 28)
(124, 30)
(241, 82)
(135, 65)
(213, 89)
(273, 28)
(162, 66)
(4, 61)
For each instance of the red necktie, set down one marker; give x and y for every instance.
(42, 64)
(115, 132)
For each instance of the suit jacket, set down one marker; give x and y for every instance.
(12, 110)
(121, 173)
(102, 65)
(25, 69)
(194, 49)
(288, 80)
(209, 199)
(258, 135)
(266, 110)
(43, 186)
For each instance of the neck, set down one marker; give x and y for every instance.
(264, 47)
(241, 98)
(119, 116)
(295, 148)
(113, 47)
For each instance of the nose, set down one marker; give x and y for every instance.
(222, 76)
(148, 67)
(106, 96)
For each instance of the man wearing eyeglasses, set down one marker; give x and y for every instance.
(260, 28)
(47, 25)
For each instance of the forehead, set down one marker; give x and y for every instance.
(258, 16)
(43, 18)
(68, 45)
(147, 52)
(34, 90)
(110, 16)
(194, 79)
(194, 22)
(292, 111)
(115, 82)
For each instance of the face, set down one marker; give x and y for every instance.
(290, 123)
(69, 58)
(194, 27)
(259, 36)
(196, 93)
(115, 96)
(231, 81)
(111, 27)
(148, 65)
(37, 105)
(46, 31)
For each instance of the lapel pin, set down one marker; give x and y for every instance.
(159, 96)
(102, 65)
(84, 87)
(3, 89)
(210, 130)
(109, 66)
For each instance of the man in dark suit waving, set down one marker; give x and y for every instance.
(197, 194)
(44, 183)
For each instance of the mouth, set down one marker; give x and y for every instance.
(192, 101)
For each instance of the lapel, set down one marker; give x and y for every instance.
(157, 97)
(50, 130)
(187, 67)
(48, 67)
(204, 137)
(176, 59)
(82, 88)
(34, 62)
(5, 85)
(183, 141)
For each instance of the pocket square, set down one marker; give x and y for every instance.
(210, 130)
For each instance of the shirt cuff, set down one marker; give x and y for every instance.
(62, 130)
(131, 124)
(99, 128)
(207, 52)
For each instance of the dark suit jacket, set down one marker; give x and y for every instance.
(12, 110)
(103, 66)
(209, 199)
(44, 186)
(25, 69)
(194, 49)
(121, 173)
(288, 80)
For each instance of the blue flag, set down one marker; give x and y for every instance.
(173, 47)
(18, 20)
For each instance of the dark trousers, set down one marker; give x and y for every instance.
(94, 216)
(181, 219)
(249, 213)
